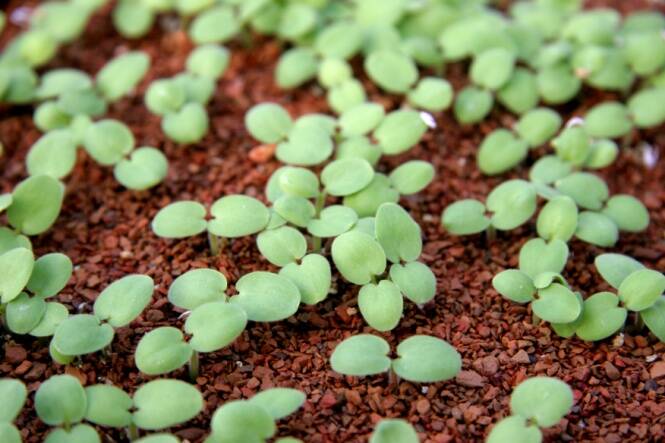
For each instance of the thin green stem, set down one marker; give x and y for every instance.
(320, 202)
(638, 322)
(194, 366)
(490, 234)
(316, 244)
(132, 432)
(215, 244)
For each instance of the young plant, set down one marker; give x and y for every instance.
(25, 288)
(213, 321)
(420, 358)
(254, 420)
(538, 402)
(62, 401)
(116, 306)
(13, 394)
(35, 204)
(394, 430)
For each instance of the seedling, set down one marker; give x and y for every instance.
(121, 75)
(393, 430)
(213, 321)
(116, 306)
(25, 288)
(35, 204)
(420, 358)
(62, 401)
(538, 402)
(254, 419)
(13, 393)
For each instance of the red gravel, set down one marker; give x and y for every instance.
(619, 383)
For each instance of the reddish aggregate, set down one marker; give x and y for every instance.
(619, 383)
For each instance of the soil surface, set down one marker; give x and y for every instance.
(619, 383)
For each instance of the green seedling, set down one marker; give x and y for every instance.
(500, 151)
(213, 321)
(35, 204)
(538, 402)
(133, 19)
(334, 71)
(26, 287)
(512, 203)
(208, 61)
(520, 93)
(296, 67)
(391, 70)
(492, 68)
(116, 306)
(62, 401)
(254, 420)
(214, 25)
(472, 105)
(122, 74)
(393, 430)
(431, 94)
(420, 358)
(13, 393)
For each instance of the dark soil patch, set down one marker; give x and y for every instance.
(619, 384)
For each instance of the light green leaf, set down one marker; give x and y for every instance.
(549, 169)
(465, 217)
(299, 182)
(573, 145)
(55, 314)
(543, 399)
(398, 233)
(164, 403)
(588, 190)
(416, 281)
(425, 359)
(597, 229)
(162, 350)
(60, 400)
(237, 216)
(266, 297)
(514, 285)
(537, 257)
(36, 203)
(359, 147)
(627, 212)
(513, 203)
(361, 355)
(538, 126)
(196, 287)
(214, 25)
(279, 402)
(603, 152)
(492, 68)
(165, 96)
(296, 210)
(647, 107)
(306, 146)
(120, 75)
(654, 318)
(399, 131)
(145, 168)
(391, 70)
(381, 305)
(432, 94)
(412, 177)
(296, 66)
(180, 220)
(361, 119)
(82, 334)
(242, 421)
(614, 268)
(558, 84)
(54, 154)
(214, 326)
(515, 429)
(334, 71)
(282, 245)
(340, 39)
(108, 141)
(17, 265)
(557, 304)
(601, 317)
(13, 393)
(394, 431)
(347, 95)
(640, 290)
(346, 176)
(312, 277)
(188, 125)
(80, 433)
(358, 257)
(122, 301)
(24, 313)
(558, 219)
(108, 405)
(57, 81)
(333, 221)
(520, 93)
(608, 119)
(501, 151)
(208, 61)
(472, 105)
(367, 201)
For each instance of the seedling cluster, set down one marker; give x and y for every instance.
(332, 202)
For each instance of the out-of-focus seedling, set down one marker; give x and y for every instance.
(420, 358)
(393, 430)
(538, 402)
(13, 394)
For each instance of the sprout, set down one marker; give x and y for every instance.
(393, 430)
(296, 21)
(36, 47)
(381, 305)
(358, 257)
(573, 145)
(61, 400)
(627, 212)
(48, 116)
(393, 71)
(520, 93)
(399, 131)
(557, 84)
(609, 119)
(361, 119)
(589, 191)
(188, 125)
(538, 126)
(117, 306)
(119, 76)
(346, 176)
(597, 229)
(346, 95)
(492, 68)
(164, 403)
(36, 203)
(536, 402)
(306, 146)
(558, 219)
(472, 105)
(132, 19)
(312, 277)
(282, 245)
(296, 67)
(266, 297)
(208, 61)
(108, 141)
(254, 419)
(165, 96)
(13, 393)
(215, 25)
(431, 94)
(340, 39)
(268, 122)
(366, 202)
(601, 317)
(146, 167)
(421, 358)
(501, 151)
(334, 71)
(646, 107)
(614, 268)
(412, 177)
